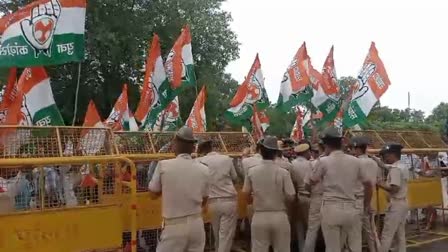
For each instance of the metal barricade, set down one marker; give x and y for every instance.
(61, 204)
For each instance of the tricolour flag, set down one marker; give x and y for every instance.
(114, 121)
(258, 124)
(151, 105)
(45, 32)
(295, 87)
(251, 92)
(197, 120)
(371, 85)
(297, 130)
(92, 140)
(326, 96)
(179, 66)
(34, 103)
(169, 119)
(128, 122)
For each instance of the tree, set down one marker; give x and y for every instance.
(117, 36)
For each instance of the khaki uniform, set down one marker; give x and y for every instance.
(184, 183)
(395, 219)
(314, 215)
(247, 164)
(284, 163)
(222, 199)
(373, 173)
(301, 167)
(271, 188)
(340, 175)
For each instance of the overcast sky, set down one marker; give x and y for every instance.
(411, 37)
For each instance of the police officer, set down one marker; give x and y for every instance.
(301, 166)
(340, 174)
(358, 148)
(250, 162)
(396, 186)
(223, 196)
(272, 189)
(314, 215)
(183, 184)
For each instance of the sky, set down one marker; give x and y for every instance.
(411, 38)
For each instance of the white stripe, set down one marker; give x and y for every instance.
(71, 21)
(39, 97)
(319, 97)
(159, 75)
(367, 101)
(286, 89)
(187, 56)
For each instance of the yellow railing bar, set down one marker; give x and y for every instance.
(82, 160)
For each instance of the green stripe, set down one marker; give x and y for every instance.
(300, 98)
(30, 59)
(240, 117)
(354, 109)
(51, 112)
(329, 109)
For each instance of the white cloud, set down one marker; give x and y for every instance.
(410, 37)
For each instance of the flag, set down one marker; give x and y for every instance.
(196, 120)
(169, 119)
(371, 85)
(326, 96)
(297, 130)
(251, 92)
(258, 124)
(295, 88)
(150, 105)
(9, 94)
(179, 66)
(114, 121)
(34, 103)
(45, 32)
(128, 121)
(92, 141)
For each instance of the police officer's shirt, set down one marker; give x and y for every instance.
(222, 175)
(250, 162)
(372, 171)
(398, 176)
(301, 167)
(340, 174)
(270, 185)
(284, 163)
(184, 183)
(317, 189)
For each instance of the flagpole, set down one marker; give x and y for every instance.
(75, 110)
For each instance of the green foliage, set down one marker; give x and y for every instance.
(280, 123)
(118, 33)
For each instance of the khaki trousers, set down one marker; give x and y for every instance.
(185, 234)
(224, 216)
(314, 219)
(338, 218)
(394, 226)
(270, 229)
(302, 220)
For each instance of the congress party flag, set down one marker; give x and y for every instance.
(297, 130)
(251, 92)
(92, 141)
(295, 87)
(114, 121)
(169, 119)
(179, 66)
(372, 83)
(34, 103)
(44, 32)
(151, 104)
(197, 120)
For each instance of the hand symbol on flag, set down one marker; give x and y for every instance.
(38, 29)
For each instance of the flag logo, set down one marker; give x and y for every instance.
(38, 29)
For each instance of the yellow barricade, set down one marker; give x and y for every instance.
(60, 204)
(425, 192)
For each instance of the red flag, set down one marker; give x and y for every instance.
(175, 64)
(197, 120)
(260, 122)
(10, 90)
(92, 118)
(298, 70)
(329, 79)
